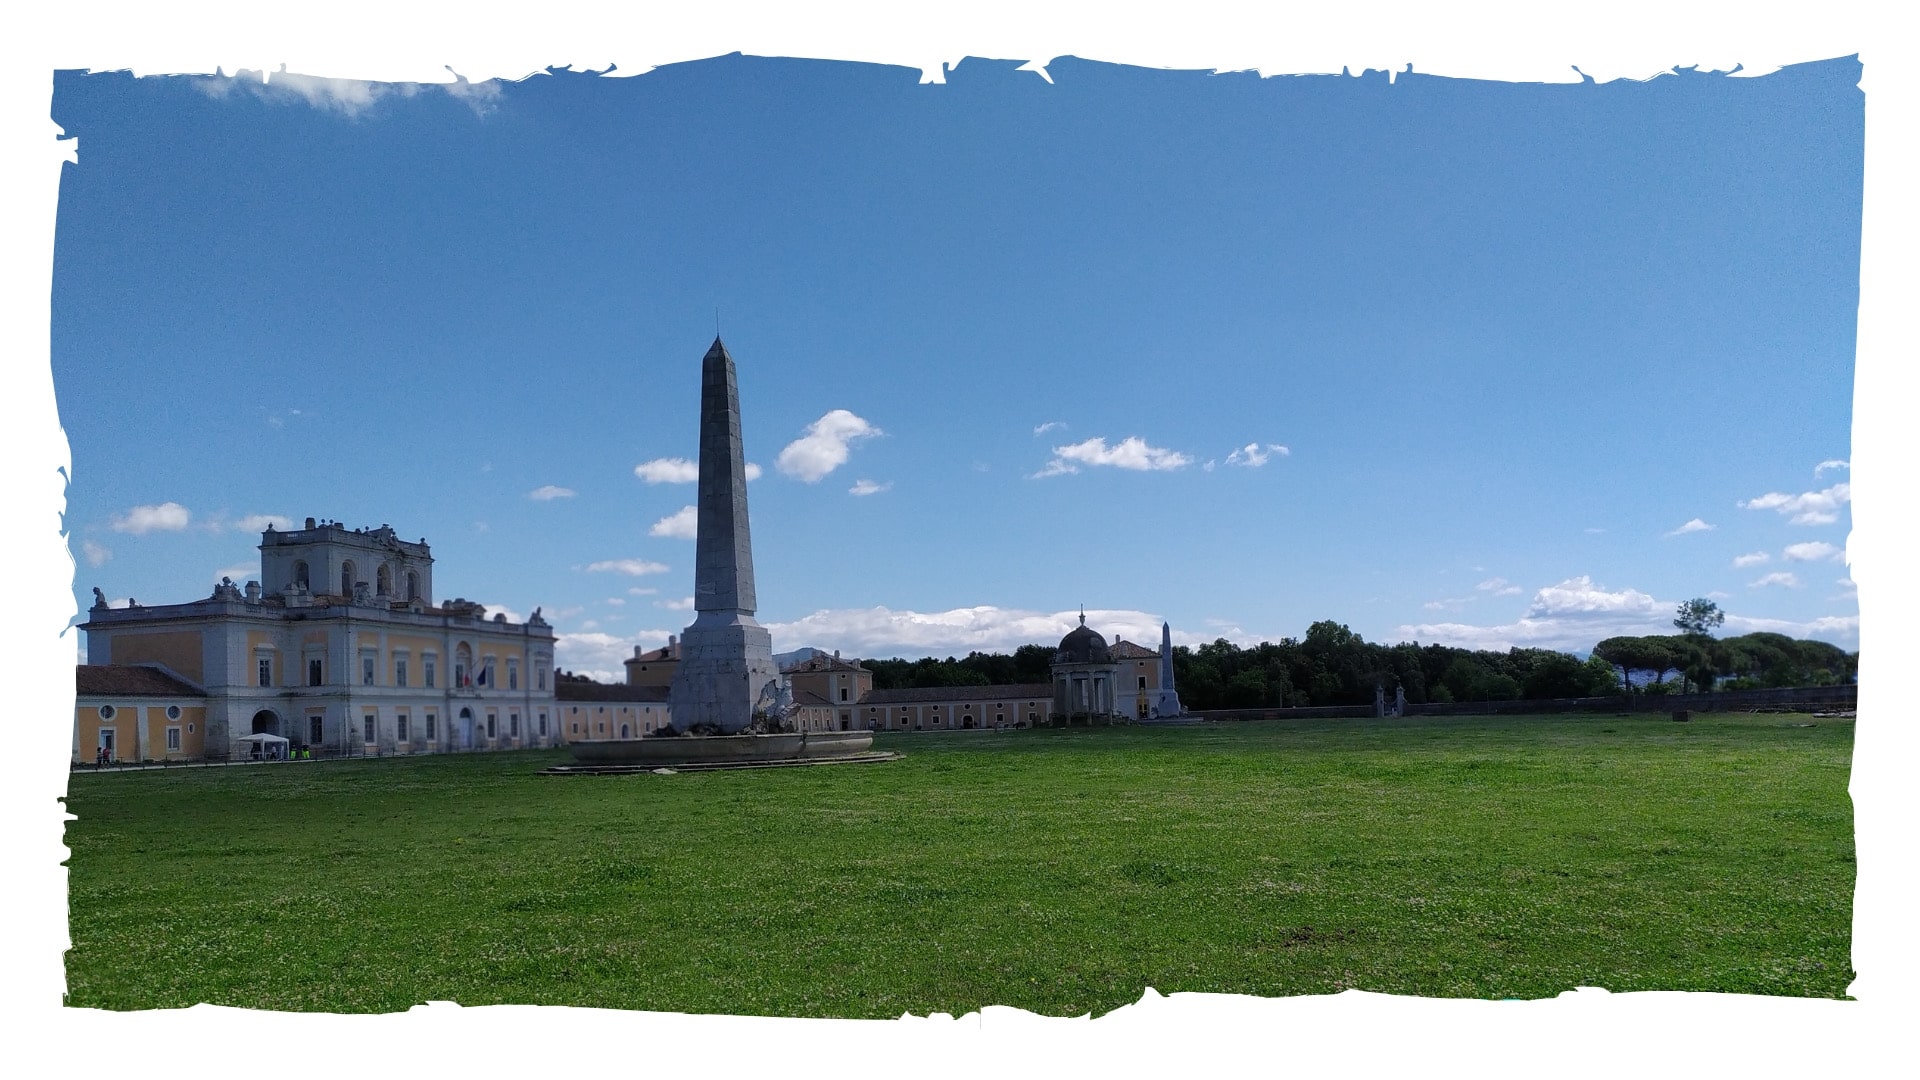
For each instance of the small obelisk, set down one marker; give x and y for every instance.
(726, 672)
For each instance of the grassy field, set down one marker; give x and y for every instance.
(1057, 871)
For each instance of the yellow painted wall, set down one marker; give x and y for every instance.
(178, 649)
(131, 714)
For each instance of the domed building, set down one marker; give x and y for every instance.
(1085, 678)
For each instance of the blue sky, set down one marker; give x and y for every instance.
(1447, 360)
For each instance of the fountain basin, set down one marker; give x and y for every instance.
(721, 751)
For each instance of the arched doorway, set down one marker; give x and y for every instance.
(266, 722)
(465, 728)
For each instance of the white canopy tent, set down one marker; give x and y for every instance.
(259, 748)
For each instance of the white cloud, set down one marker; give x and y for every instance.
(825, 445)
(239, 572)
(1806, 508)
(1835, 463)
(1694, 526)
(558, 614)
(95, 553)
(1813, 551)
(166, 517)
(1131, 452)
(668, 470)
(685, 603)
(634, 567)
(682, 524)
(1591, 529)
(496, 609)
(601, 656)
(1571, 615)
(1778, 577)
(638, 591)
(884, 632)
(1841, 630)
(615, 601)
(751, 471)
(1451, 603)
(549, 492)
(348, 97)
(1051, 425)
(868, 487)
(259, 522)
(1253, 456)
(1499, 587)
(1752, 558)
(481, 526)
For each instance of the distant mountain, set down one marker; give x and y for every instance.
(797, 656)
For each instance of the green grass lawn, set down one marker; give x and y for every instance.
(1057, 871)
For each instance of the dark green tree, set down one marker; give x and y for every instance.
(1699, 617)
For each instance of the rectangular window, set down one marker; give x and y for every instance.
(513, 675)
(486, 674)
(314, 728)
(367, 729)
(173, 739)
(426, 671)
(543, 725)
(366, 671)
(400, 727)
(266, 671)
(513, 725)
(491, 733)
(400, 671)
(314, 673)
(431, 733)
(843, 693)
(540, 675)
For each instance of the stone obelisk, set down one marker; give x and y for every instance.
(726, 673)
(1168, 703)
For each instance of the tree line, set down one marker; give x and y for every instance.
(1332, 665)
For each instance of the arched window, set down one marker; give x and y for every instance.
(383, 580)
(300, 573)
(462, 665)
(346, 578)
(413, 585)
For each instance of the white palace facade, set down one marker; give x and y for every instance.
(339, 647)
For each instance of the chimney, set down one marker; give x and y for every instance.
(310, 523)
(836, 654)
